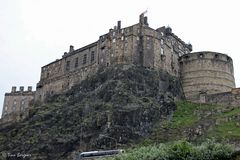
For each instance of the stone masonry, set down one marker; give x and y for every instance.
(17, 103)
(207, 77)
(137, 44)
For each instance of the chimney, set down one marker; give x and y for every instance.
(119, 25)
(29, 88)
(146, 20)
(141, 19)
(14, 89)
(71, 48)
(21, 88)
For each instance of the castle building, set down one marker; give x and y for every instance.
(17, 102)
(206, 77)
(137, 44)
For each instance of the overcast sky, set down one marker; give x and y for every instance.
(34, 33)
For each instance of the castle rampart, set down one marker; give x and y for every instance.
(206, 72)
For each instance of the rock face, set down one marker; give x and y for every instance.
(117, 106)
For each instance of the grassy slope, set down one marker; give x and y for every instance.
(220, 123)
(196, 122)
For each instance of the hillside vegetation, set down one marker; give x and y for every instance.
(120, 107)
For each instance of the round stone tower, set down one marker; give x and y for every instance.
(206, 73)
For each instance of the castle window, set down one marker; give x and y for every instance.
(161, 41)
(122, 38)
(68, 66)
(76, 62)
(201, 55)
(114, 40)
(161, 51)
(92, 56)
(162, 33)
(137, 38)
(228, 58)
(84, 58)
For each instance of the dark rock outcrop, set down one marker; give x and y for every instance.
(117, 106)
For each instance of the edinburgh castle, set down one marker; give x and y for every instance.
(206, 77)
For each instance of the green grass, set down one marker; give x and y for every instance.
(235, 111)
(184, 116)
(227, 130)
(187, 114)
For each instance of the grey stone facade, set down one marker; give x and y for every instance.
(206, 77)
(17, 102)
(206, 73)
(137, 44)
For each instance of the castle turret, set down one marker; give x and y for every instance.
(206, 72)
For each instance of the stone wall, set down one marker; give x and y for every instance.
(17, 101)
(206, 72)
(231, 98)
(137, 44)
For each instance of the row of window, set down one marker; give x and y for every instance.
(84, 61)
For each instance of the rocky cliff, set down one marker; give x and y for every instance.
(116, 107)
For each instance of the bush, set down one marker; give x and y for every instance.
(179, 150)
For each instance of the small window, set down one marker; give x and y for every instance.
(23, 102)
(162, 33)
(137, 38)
(161, 41)
(201, 55)
(68, 66)
(84, 58)
(162, 51)
(228, 58)
(14, 102)
(122, 38)
(114, 40)
(216, 56)
(92, 56)
(76, 62)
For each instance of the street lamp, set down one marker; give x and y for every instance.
(102, 135)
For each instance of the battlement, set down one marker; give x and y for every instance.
(18, 101)
(205, 55)
(21, 91)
